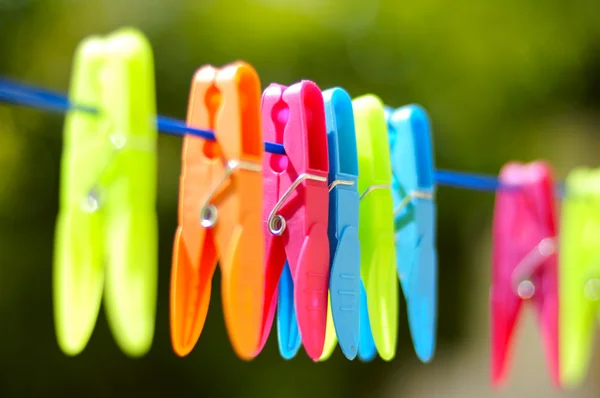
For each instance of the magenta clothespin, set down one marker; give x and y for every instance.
(296, 211)
(524, 261)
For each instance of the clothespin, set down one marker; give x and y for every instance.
(296, 207)
(376, 225)
(106, 233)
(415, 212)
(344, 246)
(524, 264)
(579, 273)
(220, 211)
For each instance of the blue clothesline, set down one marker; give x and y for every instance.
(35, 97)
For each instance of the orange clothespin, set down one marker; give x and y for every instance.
(220, 211)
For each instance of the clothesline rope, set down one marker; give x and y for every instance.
(40, 98)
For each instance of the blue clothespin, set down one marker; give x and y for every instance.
(415, 221)
(344, 200)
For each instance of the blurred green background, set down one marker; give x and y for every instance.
(502, 80)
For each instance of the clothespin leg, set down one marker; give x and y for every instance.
(277, 254)
(314, 282)
(383, 311)
(504, 317)
(578, 316)
(77, 294)
(578, 324)
(366, 347)
(241, 285)
(345, 291)
(190, 294)
(422, 304)
(130, 234)
(287, 324)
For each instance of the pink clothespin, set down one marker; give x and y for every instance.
(296, 207)
(524, 262)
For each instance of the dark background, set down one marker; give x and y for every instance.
(501, 80)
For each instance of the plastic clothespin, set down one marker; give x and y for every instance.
(344, 282)
(296, 208)
(220, 211)
(376, 226)
(524, 263)
(415, 214)
(579, 273)
(106, 233)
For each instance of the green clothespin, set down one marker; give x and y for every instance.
(376, 223)
(106, 233)
(579, 273)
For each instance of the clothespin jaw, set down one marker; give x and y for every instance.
(344, 246)
(296, 207)
(524, 264)
(106, 234)
(579, 273)
(415, 218)
(376, 225)
(220, 210)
